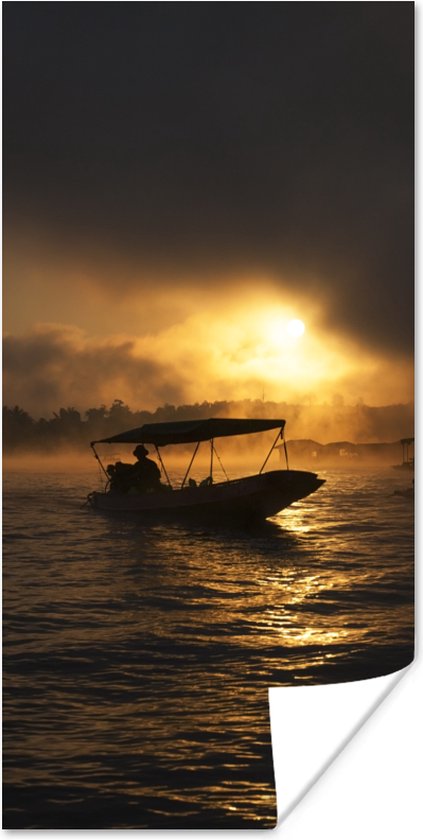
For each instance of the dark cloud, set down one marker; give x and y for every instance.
(216, 137)
(55, 367)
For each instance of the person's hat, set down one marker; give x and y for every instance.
(140, 450)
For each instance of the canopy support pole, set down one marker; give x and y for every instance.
(279, 435)
(99, 461)
(163, 466)
(220, 462)
(190, 465)
(285, 449)
(211, 459)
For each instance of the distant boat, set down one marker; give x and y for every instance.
(406, 492)
(407, 460)
(254, 497)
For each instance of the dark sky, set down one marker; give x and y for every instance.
(205, 137)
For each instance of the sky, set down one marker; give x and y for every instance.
(185, 182)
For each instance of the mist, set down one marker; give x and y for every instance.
(229, 354)
(68, 433)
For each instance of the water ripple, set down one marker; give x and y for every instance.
(137, 660)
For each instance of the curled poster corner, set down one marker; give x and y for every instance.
(371, 785)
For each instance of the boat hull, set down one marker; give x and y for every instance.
(253, 498)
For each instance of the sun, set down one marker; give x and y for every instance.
(282, 332)
(295, 328)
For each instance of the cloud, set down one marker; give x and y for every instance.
(55, 366)
(244, 351)
(210, 152)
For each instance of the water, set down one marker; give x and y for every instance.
(137, 660)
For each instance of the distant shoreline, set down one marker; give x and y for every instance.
(302, 453)
(345, 453)
(358, 430)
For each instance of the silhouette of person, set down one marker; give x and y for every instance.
(145, 474)
(120, 476)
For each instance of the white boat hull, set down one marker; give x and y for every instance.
(254, 497)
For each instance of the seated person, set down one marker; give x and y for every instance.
(120, 475)
(141, 477)
(145, 474)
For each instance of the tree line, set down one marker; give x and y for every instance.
(69, 427)
(325, 422)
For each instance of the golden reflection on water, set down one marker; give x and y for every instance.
(161, 643)
(293, 520)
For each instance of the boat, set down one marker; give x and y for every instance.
(253, 497)
(406, 492)
(407, 459)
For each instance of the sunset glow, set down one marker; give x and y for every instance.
(281, 331)
(204, 354)
(158, 298)
(208, 273)
(295, 328)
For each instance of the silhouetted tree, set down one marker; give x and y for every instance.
(18, 427)
(120, 416)
(96, 422)
(66, 428)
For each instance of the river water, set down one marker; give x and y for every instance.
(137, 660)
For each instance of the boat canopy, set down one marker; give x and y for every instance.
(192, 431)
